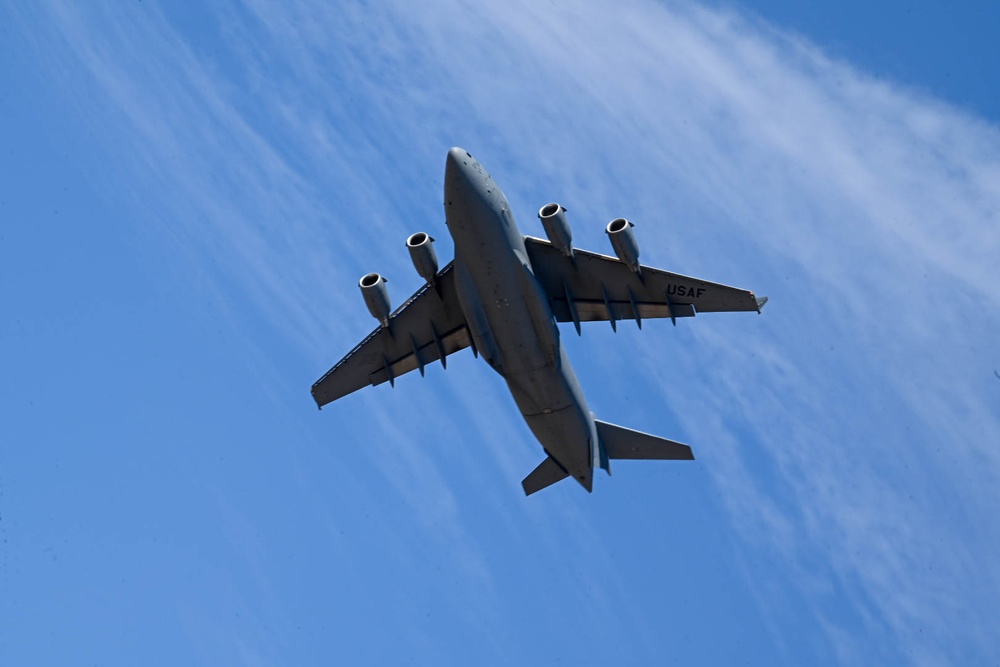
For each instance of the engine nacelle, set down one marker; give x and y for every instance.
(623, 241)
(376, 297)
(425, 261)
(553, 217)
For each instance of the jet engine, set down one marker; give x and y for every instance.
(553, 217)
(624, 243)
(425, 261)
(376, 297)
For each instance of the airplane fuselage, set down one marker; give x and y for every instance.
(510, 319)
(503, 296)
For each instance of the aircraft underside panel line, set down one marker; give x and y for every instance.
(609, 306)
(597, 311)
(416, 355)
(453, 341)
(594, 287)
(411, 340)
(569, 306)
(439, 346)
(635, 309)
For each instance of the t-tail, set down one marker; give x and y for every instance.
(613, 442)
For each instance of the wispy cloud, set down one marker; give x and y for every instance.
(851, 430)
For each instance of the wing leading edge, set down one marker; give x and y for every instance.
(592, 287)
(426, 328)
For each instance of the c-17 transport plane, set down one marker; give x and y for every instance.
(502, 296)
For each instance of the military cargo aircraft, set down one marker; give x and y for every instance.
(502, 296)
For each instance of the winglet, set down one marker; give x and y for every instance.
(761, 300)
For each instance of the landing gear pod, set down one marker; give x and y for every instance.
(376, 297)
(425, 261)
(553, 217)
(623, 241)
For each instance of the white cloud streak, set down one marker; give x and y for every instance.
(852, 429)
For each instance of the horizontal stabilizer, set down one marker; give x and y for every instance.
(624, 443)
(546, 474)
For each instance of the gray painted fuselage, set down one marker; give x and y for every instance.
(509, 317)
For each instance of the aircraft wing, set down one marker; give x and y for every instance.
(428, 327)
(592, 287)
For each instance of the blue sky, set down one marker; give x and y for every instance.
(190, 194)
(938, 48)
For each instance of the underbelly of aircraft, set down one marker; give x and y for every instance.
(520, 326)
(539, 391)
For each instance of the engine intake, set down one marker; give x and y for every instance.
(376, 297)
(425, 261)
(553, 217)
(623, 241)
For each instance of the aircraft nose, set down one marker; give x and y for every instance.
(457, 164)
(458, 175)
